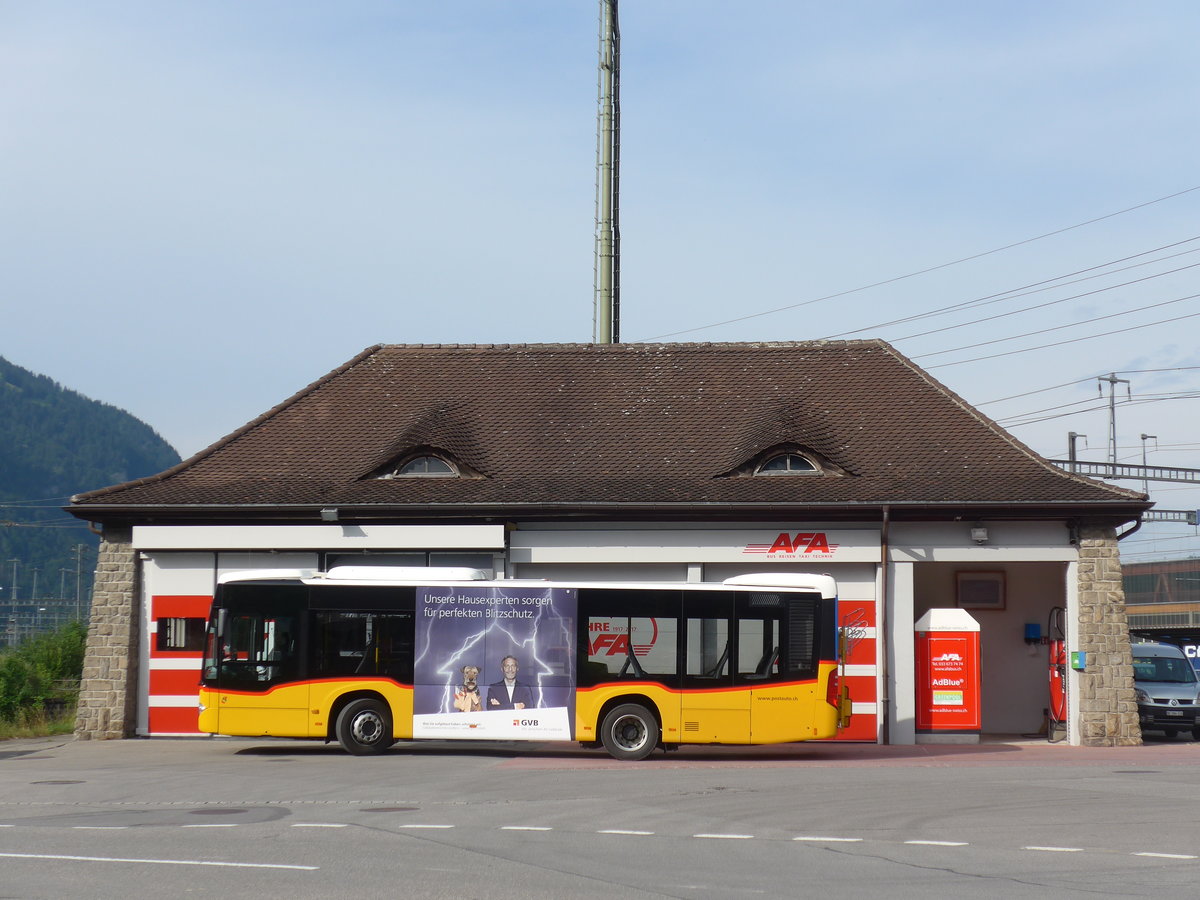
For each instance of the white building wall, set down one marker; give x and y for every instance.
(900, 675)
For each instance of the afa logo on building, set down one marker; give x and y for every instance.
(802, 545)
(616, 637)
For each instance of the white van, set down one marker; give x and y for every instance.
(1166, 689)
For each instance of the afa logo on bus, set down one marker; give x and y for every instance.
(805, 544)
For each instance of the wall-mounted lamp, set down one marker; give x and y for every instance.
(329, 514)
(979, 534)
(1033, 633)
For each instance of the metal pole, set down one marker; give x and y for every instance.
(15, 563)
(1072, 436)
(78, 579)
(607, 290)
(1146, 481)
(1113, 381)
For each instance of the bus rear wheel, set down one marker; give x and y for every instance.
(364, 727)
(629, 732)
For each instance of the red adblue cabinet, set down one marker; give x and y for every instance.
(949, 708)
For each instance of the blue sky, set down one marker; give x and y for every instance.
(206, 206)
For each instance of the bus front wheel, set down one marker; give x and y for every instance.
(364, 727)
(629, 732)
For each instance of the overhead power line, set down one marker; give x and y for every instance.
(1048, 303)
(925, 271)
(1101, 404)
(1089, 379)
(1089, 337)
(1048, 284)
(1017, 337)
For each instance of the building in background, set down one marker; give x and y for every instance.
(1163, 600)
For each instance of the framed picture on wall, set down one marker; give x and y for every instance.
(981, 590)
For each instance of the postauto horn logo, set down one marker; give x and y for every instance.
(802, 545)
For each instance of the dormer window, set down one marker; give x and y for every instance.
(423, 467)
(423, 461)
(786, 464)
(786, 459)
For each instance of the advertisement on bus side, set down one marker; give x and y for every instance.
(495, 663)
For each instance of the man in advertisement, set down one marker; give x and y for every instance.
(508, 693)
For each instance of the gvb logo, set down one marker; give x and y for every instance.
(517, 723)
(801, 545)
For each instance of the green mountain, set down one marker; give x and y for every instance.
(57, 443)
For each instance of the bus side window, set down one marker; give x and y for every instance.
(628, 636)
(758, 649)
(763, 652)
(708, 649)
(630, 647)
(360, 643)
(391, 653)
(339, 643)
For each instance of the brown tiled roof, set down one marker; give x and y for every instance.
(606, 426)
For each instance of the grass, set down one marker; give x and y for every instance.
(39, 683)
(37, 723)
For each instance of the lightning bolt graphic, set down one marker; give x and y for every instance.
(545, 627)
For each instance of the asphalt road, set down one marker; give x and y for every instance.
(242, 818)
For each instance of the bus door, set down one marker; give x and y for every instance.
(714, 710)
(258, 663)
(777, 706)
(779, 650)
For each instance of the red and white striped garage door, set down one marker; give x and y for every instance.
(176, 637)
(862, 673)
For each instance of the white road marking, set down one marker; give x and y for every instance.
(157, 862)
(542, 828)
(1056, 849)
(623, 831)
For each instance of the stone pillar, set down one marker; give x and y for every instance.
(108, 691)
(1107, 712)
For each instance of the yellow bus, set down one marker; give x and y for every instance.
(368, 655)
